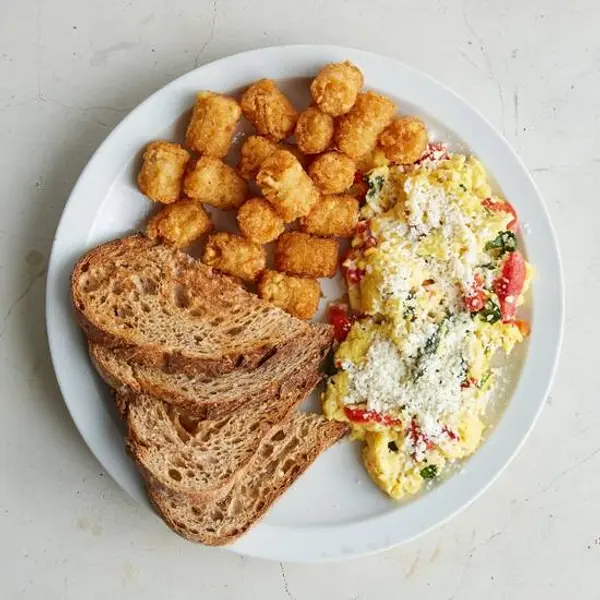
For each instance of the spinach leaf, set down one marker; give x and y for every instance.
(506, 241)
(429, 472)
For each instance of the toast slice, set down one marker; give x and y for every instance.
(282, 457)
(211, 397)
(201, 457)
(170, 310)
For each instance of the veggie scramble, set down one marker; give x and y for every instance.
(434, 278)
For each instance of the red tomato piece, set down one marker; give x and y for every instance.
(467, 383)
(475, 297)
(509, 285)
(362, 415)
(503, 206)
(337, 316)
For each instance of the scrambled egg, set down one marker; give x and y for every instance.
(434, 278)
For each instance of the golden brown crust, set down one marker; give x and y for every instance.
(163, 167)
(306, 255)
(254, 151)
(235, 256)
(267, 108)
(297, 295)
(259, 222)
(335, 87)
(334, 215)
(213, 122)
(314, 131)
(180, 223)
(213, 182)
(404, 140)
(332, 172)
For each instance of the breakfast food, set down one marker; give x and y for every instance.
(180, 223)
(234, 255)
(283, 456)
(213, 122)
(306, 255)
(314, 131)
(267, 108)
(212, 181)
(297, 295)
(357, 131)
(286, 185)
(335, 88)
(332, 172)
(259, 222)
(435, 277)
(404, 140)
(253, 153)
(333, 215)
(161, 175)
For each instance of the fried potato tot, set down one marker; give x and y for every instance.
(314, 131)
(332, 172)
(161, 175)
(357, 131)
(302, 254)
(215, 183)
(180, 223)
(303, 159)
(213, 121)
(267, 108)
(259, 222)
(296, 295)
(404, 140)
(335, 88)
(286, 185)
(332, 215)
(253, 153)
(234, 255)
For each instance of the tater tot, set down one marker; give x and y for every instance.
(296, 295)
(253, 153)
(303, 159)
(267, 108)
(259, 222)
(332, 215)
(212, 124)
(214, 182)
(332, 172)
(287, 186)
(180, 223)
(235, 256)
(357, 132)
(314, 131)
(161, 175)
(302, 254)
(335, 88)
(404, 140)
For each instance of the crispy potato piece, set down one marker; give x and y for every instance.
(332, 172)
(213, 121)
(259, 222)
(267, 108)
(286, 185)
(404, 140)
(302, 254)
(357, 132)
(335, 88)
(235, 256)
(297, 295)
(214, 182)
(254, 151)
(303, 159)
(314, 131)
(333, 215)
(161, 175)
(180, 223)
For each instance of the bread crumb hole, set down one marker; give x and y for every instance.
(175, 474)
(280, 435)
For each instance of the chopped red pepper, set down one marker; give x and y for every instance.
(365, 236)
(340, 319)
(467, 383)
(362, 415)
(475, 297)
(523, 327)
(433, 152)
(416, 435)
(450, 433)
(359, 176)
(509, 285)
(503, 206)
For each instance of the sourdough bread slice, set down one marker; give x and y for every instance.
(170, 309)
(201, 457)
(211, 397)
(283, 456)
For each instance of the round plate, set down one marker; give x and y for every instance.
(348, 515)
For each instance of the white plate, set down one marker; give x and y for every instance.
(333, 511)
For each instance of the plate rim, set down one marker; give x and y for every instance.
(262, 540)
